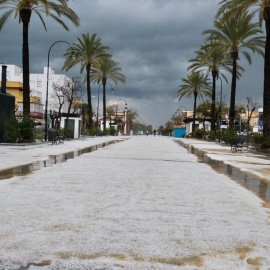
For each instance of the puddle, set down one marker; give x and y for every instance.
(257, 186)
(53, 159)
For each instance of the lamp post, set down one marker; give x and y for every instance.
(175, 114)
(180, 108)
(47, 87)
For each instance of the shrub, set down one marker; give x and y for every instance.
(12, 131)
(112, 132)
(93, 131)
(66, 132)
(199, 133)
(229, 136)
(212, 135)
(26, 126)
(257, 139)
(39, 133)
(19, 130)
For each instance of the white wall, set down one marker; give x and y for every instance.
(38, 84)
(77, 125)
(38, 81)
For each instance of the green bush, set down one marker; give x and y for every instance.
(12, 131)
(199, 133)
(66, 132)
(39, 134)
(229, 136)
(93, 131)
(19, 130)
(26, 126)
(257, 139)
(109, 131)
(213, 135)
(112, 132)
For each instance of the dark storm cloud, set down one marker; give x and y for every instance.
(151, 39)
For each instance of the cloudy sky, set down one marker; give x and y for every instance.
(151, 39)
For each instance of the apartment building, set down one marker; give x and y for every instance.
(38, 88)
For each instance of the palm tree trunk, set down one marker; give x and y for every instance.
(25, 15)
(213, 108)
(104, 103)
(194, 112)
(88, 89)
(266, 90)
(234, 56)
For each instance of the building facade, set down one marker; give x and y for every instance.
(38, 88)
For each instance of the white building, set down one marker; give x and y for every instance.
(38, 82)
(258, 122)
(38, 85)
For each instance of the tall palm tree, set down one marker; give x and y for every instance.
(88, 50)
(104, 69)
(237, 34)
(213, 58)
(23, 10)
(229, 7)
(196, 85)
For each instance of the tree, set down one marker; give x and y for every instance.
(58, 95)
(213, 58)
(204, 111)
(131, 117)
(23, 10)
(72, 90)
(251, 107)
(105, 69)
(110, 112)
(196, 85)
(88, 50)
(238, 33)
(68, 91)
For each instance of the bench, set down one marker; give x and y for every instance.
(55, 137)
(238, 144)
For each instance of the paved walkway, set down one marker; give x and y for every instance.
(144, 203)
(249, 161)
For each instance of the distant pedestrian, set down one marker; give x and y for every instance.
(155, 132)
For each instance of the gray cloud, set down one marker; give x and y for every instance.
(152, 39)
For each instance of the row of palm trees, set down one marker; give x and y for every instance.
(98, 65)
(235, 33)
(90, 53)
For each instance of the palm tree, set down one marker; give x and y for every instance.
(88, 50)
(104, 69)
(196, 85)
(229, 7)
(23, 10)
(213, 58)
(237, 34)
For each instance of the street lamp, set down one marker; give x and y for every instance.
(175, 114)
(47, 88)
(180, 108)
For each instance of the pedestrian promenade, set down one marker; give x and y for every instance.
(142, 203)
